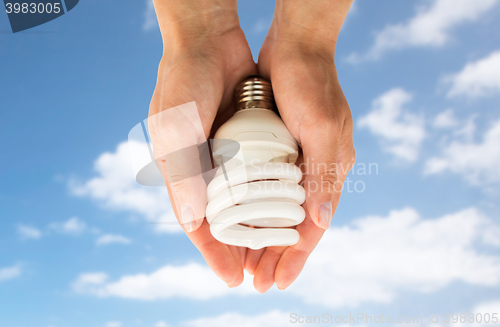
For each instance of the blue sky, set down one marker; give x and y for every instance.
(77, 245)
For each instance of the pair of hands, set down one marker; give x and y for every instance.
(205, 56)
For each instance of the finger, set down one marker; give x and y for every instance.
(218, 256)
(252, 260)
(188, 195)
(264, 274)
(347, 159)
(237, 253)
(181, 114)
(294, 258)
(242, 251)
(177, 135)
(320, 148)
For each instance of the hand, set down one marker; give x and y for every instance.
(205, 56)
(299, 61)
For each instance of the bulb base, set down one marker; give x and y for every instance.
(254, 92)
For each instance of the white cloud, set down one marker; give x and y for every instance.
(375, 258)
(477, 162)
(480, 313)
(72, 226)
(115, 187)
(261, 25)
(400, 131)
(445, 119)
(430, 27)
(192, 281)
(112, 238)
(86, 281)
(113, 324)
(9, 273)
(484, 310)
(466, 131)
(273, 318)
(150, 20)
(477, 79)
(28, 232)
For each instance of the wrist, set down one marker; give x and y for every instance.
(312, 24)
(190, 25)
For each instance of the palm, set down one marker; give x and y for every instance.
(208, 78)
(309, 98)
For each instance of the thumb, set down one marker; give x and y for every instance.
(181, 152)
(320, 149)
(182, 171)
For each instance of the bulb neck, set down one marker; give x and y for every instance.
(254, 92)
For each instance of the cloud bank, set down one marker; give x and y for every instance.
(115, 188)
(399, 131)
(430, 27)
(371, 260)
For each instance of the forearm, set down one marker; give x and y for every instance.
(316, 23)
(188, 24)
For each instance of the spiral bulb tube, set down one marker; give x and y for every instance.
(255, 198)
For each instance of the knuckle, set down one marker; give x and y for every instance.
(329, 176)
(328, 172)
(329, 183)
(353, 157)
(329, 179)
(180, 188)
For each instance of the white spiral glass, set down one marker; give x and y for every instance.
(255, 198)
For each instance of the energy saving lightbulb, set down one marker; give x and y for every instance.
(255, 198)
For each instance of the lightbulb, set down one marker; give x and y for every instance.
(255, 198)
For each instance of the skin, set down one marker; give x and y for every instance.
(205, 56)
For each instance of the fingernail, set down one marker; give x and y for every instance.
(187, 217)
(230, 284)
(325, 214)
